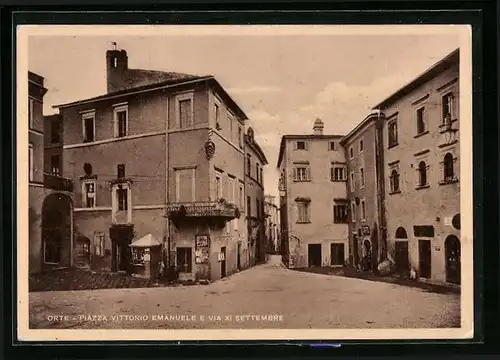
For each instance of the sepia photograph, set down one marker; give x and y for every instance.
(180, 182)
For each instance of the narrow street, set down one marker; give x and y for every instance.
(266, 296)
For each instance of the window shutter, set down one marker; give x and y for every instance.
(294, 173)
(308, 173)
(305, 145)
(332, 173)
(295, 147)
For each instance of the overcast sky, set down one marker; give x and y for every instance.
(282, 82)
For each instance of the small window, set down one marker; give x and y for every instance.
(55, 131)
(301, 145)
(31, 113)
(185, 113)
(88, 127)
(242, 198)
(55, 165)
(340, 213)
(240, 137)
(448, 167)
(394, 181)
(353, 212)
(122, 194)
(89, 198)
(447, 106)
(121, 121)
(249, 206)
(362, 176)
(218, 187)
(257, 171)
(393, 133)
(30, 162)
(301, 173)
(216, 113)
(332, 145)
(352, 182)
(351, 152)
(120, 170)
(420, 121)
(363, 210)
(361, 146)
(422, 174)
(338, 173)
(303, 212)
(249, 166)
(261, 176)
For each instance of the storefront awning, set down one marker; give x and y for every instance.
(146, 242)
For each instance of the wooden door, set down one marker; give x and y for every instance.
(452, 253)
(424, 256)
(402, 257)
(314, 255)
(223, 262)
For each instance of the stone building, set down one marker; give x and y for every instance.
(159, 154)
(272, 223)
(50, 196)
(313, 199)
(365, 188)
(421, 170)
(254, 192)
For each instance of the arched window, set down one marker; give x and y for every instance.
(422, 174)
(448, 167)
(401, 233)
(394, 181)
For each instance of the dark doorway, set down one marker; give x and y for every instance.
(452, 253)
(314, 255)
(402, 257)
(82, 252)
(121, 237)
(238, 257)
(223, 262)
(184, 259)
(337, 254)
(424, 258)
(367, 255)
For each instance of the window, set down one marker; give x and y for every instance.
(394, 181)
(55, 165)
(89, 198)
(257, 172)
(31, 104)
(422, 174)
(301, 145)
(351, 152)
(185, 112)
(362, 176)
(216, 113)
(120, 171)
(99, 243)
(261, 176)
(249, 166)
(361, 146)
(231, 123)
(122, 195)
(447, 104)
(340, 213)
(242, 199)
(303, 212)
(448, 167)
(184, 259)
(332, 145)
(218, 187)
(301, 173)
(352, 182)
(55, 131)
(393, 133)
(230, 185)
(249, 206)
(338, 173)
(363, 210)
(115, 62)
(353, 211)
(30, 162)
(240, 137)
(88, 127)
(420, 121)
(185, 180)
(121, 121)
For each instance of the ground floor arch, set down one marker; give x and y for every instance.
(452, 259)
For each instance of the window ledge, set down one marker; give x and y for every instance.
(448, 181)
(303, 222)
(301, 180)
(395, 192)
(420, 187)
(443, 124)
(421, 134)
(335, 180)
(392, 145)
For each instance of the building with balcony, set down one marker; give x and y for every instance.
(271, 212)
(50, 195)
(421, 173)
(160, 154)
(365, 189)
(313, 200)
(255, 200)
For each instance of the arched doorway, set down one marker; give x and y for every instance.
(452, 253)
(367, 255)
(401, 249)
(56, 231)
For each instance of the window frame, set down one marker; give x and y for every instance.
(55, 173)
(178, 99)
(422, 174)
(301, 142)
(451, 95)
(361, 146)
(333, 176)
(178, 172)
(362, 177)
(351, 152)
(353, 211)
(334, 147)
(392, 141)
(392, 181)
(306, 205)
(122, 198)
(86, 116)
(420, 117)
(352, 182)
(31, 113)
(307, 172)
(31, 164)
(85, 194)
(119, 108)
(337, 219)
(363, 210)
(99, 243)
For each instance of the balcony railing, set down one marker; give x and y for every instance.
(216, 209)
(58, 183)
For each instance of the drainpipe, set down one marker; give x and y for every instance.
(382, 230)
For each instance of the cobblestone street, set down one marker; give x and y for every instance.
(266, 296)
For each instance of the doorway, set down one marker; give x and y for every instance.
(185, 260)
(366, 262)
(223, 262)
(238, 257)
(314, 255)
(452, 253)
(424, 258)
(402, 257)
(337, 254)
(82, 252)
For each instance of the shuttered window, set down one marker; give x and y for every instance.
(185, 188)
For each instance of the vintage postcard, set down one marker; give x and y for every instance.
(244, 182)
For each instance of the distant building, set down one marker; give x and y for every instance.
(313, 200)
(160, 155)
(365, 181)
(421, 166)
(272, 224)
(50, 195)
(254, 192)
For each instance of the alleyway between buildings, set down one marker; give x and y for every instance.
(266, 296)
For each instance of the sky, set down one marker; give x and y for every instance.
(283, 82)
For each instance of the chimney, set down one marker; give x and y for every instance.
(318, 127)
(116, 66)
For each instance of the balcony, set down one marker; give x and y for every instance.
(57, 183)
(221, 210)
